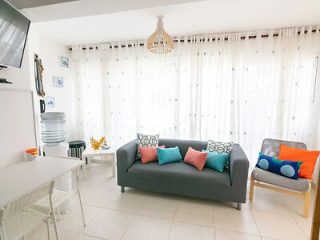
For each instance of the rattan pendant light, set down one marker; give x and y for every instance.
(160, 41)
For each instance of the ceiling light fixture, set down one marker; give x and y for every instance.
(160, 41)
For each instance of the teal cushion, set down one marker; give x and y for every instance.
(168, 155)
(216, 160)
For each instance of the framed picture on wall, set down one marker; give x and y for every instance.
(64, 61)
(50, 102)
(58, 81)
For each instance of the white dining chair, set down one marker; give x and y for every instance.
(59, 197)
(18, 219)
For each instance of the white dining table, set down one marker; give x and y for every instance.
(19, 179)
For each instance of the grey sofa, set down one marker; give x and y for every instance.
(183, 179)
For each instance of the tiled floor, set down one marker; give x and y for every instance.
(137, 215)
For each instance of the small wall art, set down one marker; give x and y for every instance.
(58, 81)
(50, 102)
(64, 61)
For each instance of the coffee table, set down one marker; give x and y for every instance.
(106, 154)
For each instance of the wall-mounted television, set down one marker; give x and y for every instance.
(14, 27)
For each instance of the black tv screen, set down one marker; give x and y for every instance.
(14, 29)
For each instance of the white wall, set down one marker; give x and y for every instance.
(50, 53)
(16, 120)
(23, 80)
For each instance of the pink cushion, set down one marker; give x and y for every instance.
(149, 154)
(196, 158)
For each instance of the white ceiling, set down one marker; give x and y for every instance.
(35, 3)
(121, 23)
(81, 8)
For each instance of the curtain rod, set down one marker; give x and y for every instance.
(201, 39)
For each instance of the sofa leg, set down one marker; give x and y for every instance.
(239, 206)
(251, 189)
(122, 189)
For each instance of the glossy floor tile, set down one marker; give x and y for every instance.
(162, 207)
(187, 231)
(145, 228)
(112, 215)
(225, 217)
(229, 235)
(195, 212)
(109, 224)
(278, 226)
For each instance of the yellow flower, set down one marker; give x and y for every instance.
(95, 144)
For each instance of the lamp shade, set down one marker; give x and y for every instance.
(160, 41)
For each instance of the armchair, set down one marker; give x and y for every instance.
(260, 178)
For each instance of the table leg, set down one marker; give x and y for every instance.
(54, 219)
(84, 168)
(113, 165)
(79, 196)
(89, 161)
(48, 228)
(2, 233)
(106, 158)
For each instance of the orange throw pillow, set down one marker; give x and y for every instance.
(308, 159)
(149, 154)
(196, 158)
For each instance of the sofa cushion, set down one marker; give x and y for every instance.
(168, 155)
(184, 144)
(196, 158)
(260, 175)
(149, 154)
(179, 172)
(147, 141)
(221, 147)
(216, 160)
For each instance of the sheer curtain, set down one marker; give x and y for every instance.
(241, 90)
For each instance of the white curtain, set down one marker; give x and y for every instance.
(241, 90)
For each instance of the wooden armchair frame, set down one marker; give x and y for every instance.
(304, 195)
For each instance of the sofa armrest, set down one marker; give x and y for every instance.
(126, 156)
(239, 167)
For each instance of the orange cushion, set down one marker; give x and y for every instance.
(196, 158)
(308, 159)
(149, 154)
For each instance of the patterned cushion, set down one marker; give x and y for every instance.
(220, 147)
(284, 168)
(147, 141)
